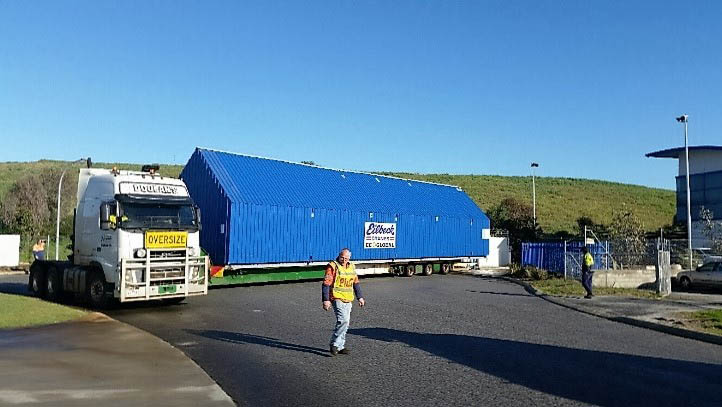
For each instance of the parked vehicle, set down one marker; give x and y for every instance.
(136, 238)
(271, 220)
(708, 275)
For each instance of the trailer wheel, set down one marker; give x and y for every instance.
(96, 291)
(37, 280)
(410, 270)
(52, 284)
(428, 269)
(445, 267)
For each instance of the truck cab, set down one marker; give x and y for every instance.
(136, 238)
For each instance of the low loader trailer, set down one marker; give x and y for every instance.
(273, 220)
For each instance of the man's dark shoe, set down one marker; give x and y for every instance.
(334, 350)
(588, 296)
(345, 351)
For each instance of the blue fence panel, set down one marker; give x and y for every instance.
(550, 255)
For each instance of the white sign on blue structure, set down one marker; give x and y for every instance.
(379, 235)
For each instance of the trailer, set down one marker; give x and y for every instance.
(272, 220)
(135, 239)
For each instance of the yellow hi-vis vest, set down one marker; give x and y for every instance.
(588, 260)
(343, 284)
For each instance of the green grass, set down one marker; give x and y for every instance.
(560, 201)
(19, 312)
(709, 320)
(573, 288)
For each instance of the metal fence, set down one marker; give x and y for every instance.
(565, 258)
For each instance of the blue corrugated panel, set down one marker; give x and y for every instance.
(258, 210)
(550, 255)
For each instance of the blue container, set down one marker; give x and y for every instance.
(263, 211)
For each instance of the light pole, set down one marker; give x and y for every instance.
(684, 119)
(533, 189)
(57, 220)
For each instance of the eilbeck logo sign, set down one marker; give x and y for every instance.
(379, 235)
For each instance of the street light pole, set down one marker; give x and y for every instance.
(533, 187)
(57, 220)
(684, 119)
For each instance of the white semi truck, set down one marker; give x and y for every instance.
(136, 238)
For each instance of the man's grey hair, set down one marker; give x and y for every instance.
(345, 249)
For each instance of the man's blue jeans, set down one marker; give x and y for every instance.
(587, 281)
(343, 318)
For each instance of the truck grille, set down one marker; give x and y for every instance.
(164, 254)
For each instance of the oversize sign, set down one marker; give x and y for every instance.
(379, 235)
(165, 240)
(141, 188)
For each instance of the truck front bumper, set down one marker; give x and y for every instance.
(152, 278)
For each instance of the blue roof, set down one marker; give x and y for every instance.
(675, 152)
(263, 181)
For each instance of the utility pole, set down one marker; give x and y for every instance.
(685, 119)
(533, 188)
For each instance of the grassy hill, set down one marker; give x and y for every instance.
(560, 201)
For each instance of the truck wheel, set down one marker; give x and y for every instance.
(410, 270)
(53, 285)
(37, 280)
(445, 267)
(428, 269)
(96, 291)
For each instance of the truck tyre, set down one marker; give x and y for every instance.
(96, 292)
(445, 267)
(410, 270)
(53, 286)
(428, 269)
(36, 283)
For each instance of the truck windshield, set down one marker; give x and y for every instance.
(157, 215)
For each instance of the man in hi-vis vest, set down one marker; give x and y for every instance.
(587, 272)
(337, 290)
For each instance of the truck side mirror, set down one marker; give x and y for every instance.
(198, 217)
(105, 216)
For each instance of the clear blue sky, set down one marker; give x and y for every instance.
(585, 88)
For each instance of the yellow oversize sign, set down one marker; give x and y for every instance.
(165, 240)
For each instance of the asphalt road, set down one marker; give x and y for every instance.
(439, 340)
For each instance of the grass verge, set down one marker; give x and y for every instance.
(709, 321)
(573, 288)
(19, 312)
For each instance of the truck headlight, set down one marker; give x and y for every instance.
(140, 252)
(193, 251)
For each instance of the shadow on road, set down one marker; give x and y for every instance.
(596, 377)
(239, 338)
(15, 288)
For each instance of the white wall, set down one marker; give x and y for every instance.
(499, 253)
(701, 162)
(9, 250)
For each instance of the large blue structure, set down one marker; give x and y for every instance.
(263, 211)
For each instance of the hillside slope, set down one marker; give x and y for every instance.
(560, 201)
